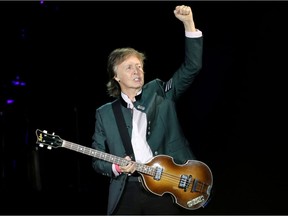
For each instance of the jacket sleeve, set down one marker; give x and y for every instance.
(186, 73)
(99, 143)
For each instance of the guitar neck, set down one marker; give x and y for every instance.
(142, 168)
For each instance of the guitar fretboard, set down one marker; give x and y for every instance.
(108, 157)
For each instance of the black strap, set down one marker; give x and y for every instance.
(122, 128)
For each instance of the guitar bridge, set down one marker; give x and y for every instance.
(185, 181)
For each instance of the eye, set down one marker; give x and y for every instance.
(133, 67)
(139, 66)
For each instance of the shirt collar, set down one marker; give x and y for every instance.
(127, 102)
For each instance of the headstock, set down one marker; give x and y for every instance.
(50, 140)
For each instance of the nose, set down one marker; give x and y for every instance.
(135, 69)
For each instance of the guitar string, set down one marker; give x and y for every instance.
(176, 179)
(170, 177)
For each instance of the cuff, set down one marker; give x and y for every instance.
(116, 169)
(196, 34)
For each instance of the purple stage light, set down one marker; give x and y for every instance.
(10, 101)
(17, 82)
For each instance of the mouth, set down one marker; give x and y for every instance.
(137, 79)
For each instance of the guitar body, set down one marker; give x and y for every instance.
(192, 195)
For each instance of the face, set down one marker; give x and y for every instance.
(130, 74)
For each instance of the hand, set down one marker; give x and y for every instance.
(129, 168)
(184, 14)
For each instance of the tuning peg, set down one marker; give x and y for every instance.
(44, 131)
(49, 147)
(53, 133)
(41, 145)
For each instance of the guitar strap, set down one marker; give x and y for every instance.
(123, 128)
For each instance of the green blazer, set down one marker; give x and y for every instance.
(164, 134)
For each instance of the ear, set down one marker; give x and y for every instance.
(116, 78)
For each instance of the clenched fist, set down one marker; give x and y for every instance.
(184, 14)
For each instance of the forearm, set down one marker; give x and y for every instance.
(100, 166)
(189, 26)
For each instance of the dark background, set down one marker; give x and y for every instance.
(234, 115)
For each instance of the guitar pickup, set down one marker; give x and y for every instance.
(158, 173)
(185, 181)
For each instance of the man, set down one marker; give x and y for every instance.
(150, 119)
